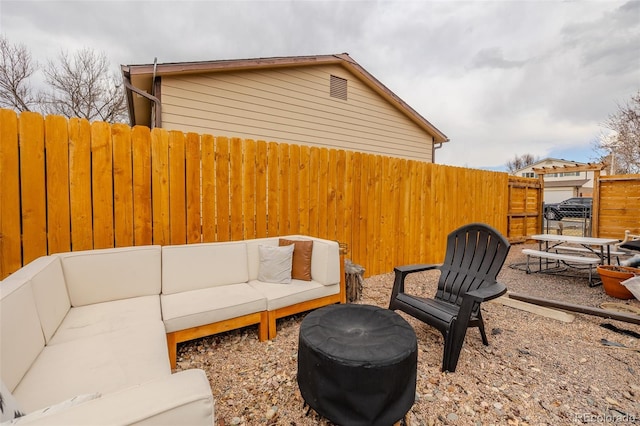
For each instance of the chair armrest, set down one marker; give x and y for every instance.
(181, 398)
(487, 293)
(408, 269)
(401, 274)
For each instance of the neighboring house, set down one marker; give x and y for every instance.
(327, 101)
(563, 184)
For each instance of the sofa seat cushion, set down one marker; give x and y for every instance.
(89, 320)
(102, 363)
(188, 309)
(281, 295)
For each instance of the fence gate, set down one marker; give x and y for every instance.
(523, 219)
(577, 218)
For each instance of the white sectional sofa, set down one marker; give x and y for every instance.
(98, 329)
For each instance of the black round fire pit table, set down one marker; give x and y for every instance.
(357, 364)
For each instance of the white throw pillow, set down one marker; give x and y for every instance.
(64, 405)
(275, 264)
(9, 408)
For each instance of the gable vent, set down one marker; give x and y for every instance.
(338, 88)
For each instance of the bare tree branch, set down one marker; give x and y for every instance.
(621, 148)
(82, 86)
(519, 161)
(16, 68)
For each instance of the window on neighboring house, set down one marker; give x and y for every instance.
(552, 175)
(338, 87)
(571, 174)
(528, 174)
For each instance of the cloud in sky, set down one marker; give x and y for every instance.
(499, 78)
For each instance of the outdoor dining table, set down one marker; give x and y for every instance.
(601, 247)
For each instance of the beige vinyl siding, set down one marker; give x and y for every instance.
(291, 105)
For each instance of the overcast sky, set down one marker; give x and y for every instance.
(499, 78)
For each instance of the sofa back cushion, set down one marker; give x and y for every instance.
(50, 292)
(96, 276)
(202, 265)
(20, 331)
(325, 261)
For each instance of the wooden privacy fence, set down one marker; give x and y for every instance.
(525, 201)
(619, 206)
(71, 185)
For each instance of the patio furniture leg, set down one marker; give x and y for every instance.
(483, 334)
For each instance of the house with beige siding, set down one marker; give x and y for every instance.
(327, 101)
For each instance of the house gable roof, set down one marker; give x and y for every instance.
(549, 162)
(140, 77)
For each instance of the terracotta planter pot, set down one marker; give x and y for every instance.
(612, 276)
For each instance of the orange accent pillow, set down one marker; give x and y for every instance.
(301, 269)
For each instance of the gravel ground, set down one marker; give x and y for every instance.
(535, 371)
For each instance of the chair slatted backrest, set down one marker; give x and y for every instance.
(475, 255)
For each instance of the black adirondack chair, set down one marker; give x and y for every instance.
(475, 254)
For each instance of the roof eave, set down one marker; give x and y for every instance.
(390, 96)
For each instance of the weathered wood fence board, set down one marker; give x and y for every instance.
(71, 185)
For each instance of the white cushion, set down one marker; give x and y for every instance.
(253, 255)
(61, 406)
(9, 407)
(325, 261)
(203, 265)
(50, 292)
(102, 363)
(278, 295)
(96, 276)
(183, 398)
(21, 338)
(189, 309)
(89, 320)
(275, 264)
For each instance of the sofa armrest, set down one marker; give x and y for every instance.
(183, 398)
(325, 261)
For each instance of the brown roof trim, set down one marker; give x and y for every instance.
(229, 64)
(342, 59)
